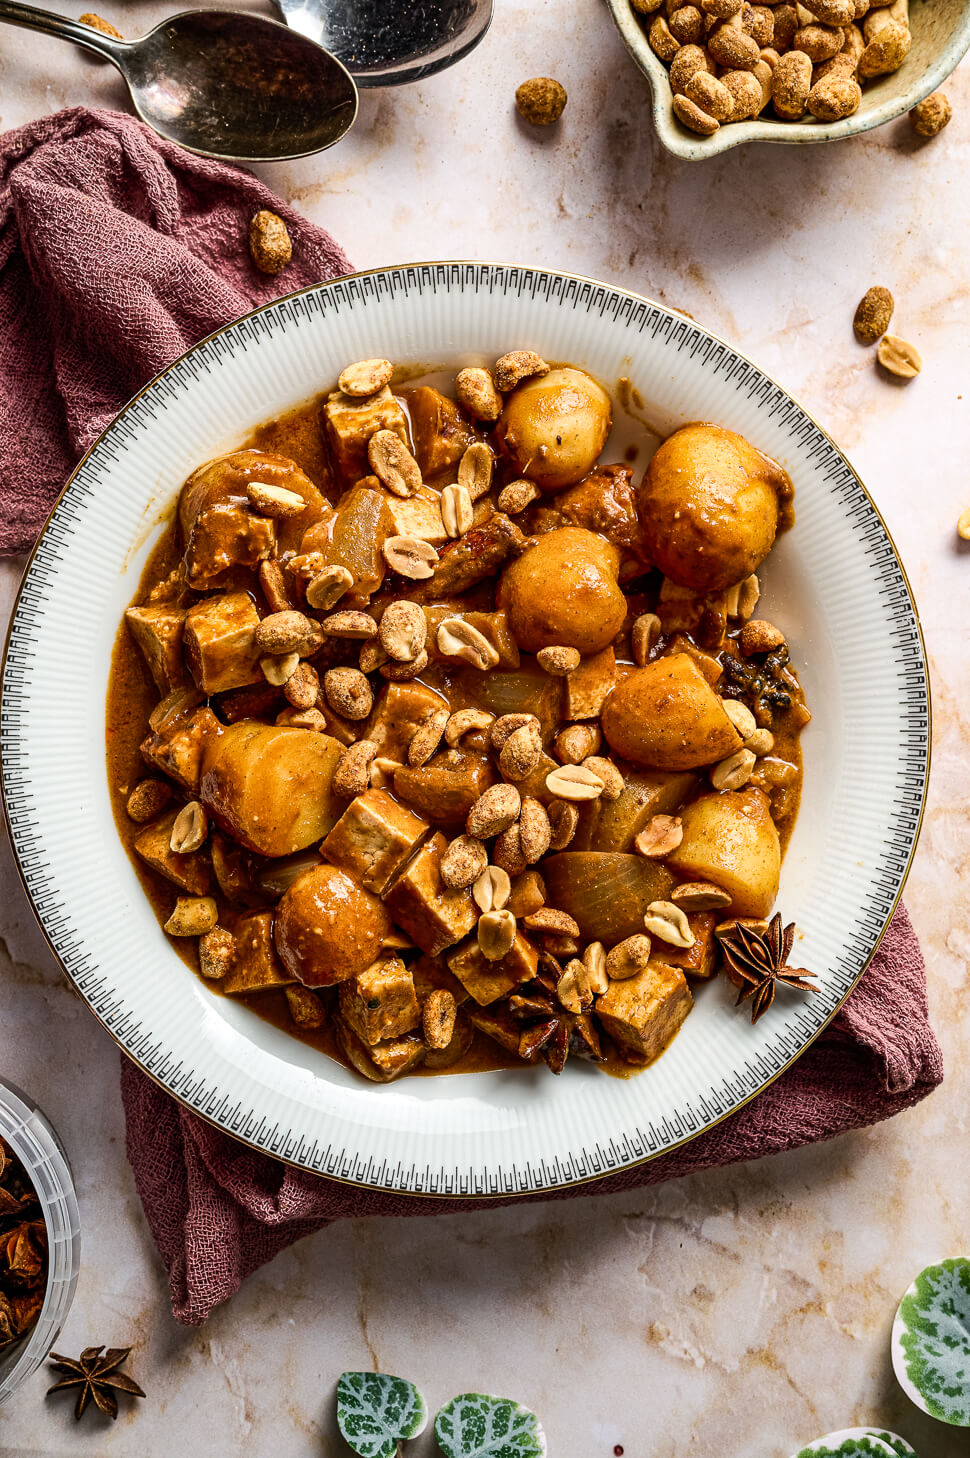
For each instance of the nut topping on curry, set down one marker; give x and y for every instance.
(443, 741)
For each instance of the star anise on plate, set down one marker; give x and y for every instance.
(756, 961)
(95, 1374)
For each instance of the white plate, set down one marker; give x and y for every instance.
(834, 584)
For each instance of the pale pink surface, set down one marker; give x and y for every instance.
(117, 252)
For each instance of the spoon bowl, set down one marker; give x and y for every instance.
(383, 43)
(239, 87)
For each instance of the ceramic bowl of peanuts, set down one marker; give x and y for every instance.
(484, 758)
(729, 71)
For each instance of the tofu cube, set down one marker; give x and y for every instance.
(397, 1056)
(158, 632)
(398, 715)
(702, 615)
(492, 626)
(177, 749)
(588, 685)
(384, 1061)
(699, 960)
(417, 516)
(441, 432)
(225, 536)
(373, 839)
(642, 1013)
(431, 975)
(434, 916)
(257, 967)
(487, 981)
(350, 422)
(381, 1002)
(190, 872)
(219, 642)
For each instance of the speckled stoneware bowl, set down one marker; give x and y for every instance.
(941, 38)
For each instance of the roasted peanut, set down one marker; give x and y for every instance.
(476, 390)
(403, 630)
(353, 772)
(366, 377)
(192, 916)
(348, 692)
(464, 862)
(930, 115)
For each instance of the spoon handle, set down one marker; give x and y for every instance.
(43, 20)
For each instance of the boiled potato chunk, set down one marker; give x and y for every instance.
(613, 825)
(667, 716)
(607, 894)
(730, 839)
(564, 590)
(553, 428)
(708, 507)
(271, 787)
(328, 928)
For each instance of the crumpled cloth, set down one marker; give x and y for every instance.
(117, 252)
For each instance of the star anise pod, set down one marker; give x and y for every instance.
(95, 1374)
(757, 961)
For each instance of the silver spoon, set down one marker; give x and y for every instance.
(222, 84)
(387, 42)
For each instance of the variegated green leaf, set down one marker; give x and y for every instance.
(847, 1443)
(893, 1440)
(931, 1342)
(376, 1412)
(477, 1426)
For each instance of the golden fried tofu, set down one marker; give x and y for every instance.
(642, 1013)
(256, 968)
(219, 642)
(380, 1002)
(699, 960)
(373, 839)
(442, 433)
(177, 748)
(433, 916)
(191, 872)
(225, 536)
(350, 422)
(487, 981)
(398, 715)
(158, 632)
(385, 1061)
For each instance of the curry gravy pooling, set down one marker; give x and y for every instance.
(604, 500)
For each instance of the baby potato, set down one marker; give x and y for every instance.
(730, 839)
(667, 716)
(270, 787)
(328, 928)
(564, 590)
(553, 428)
(708, 507)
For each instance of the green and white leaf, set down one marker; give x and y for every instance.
(377, 1412)
(847, 1443)
(893, 1440)
(475, 1425)
(931, 1342)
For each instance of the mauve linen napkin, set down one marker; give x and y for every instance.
(117, 252)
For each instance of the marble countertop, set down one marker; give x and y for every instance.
(739, 1312)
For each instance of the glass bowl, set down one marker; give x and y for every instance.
(24, 1127)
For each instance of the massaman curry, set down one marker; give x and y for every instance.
(445, 745)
